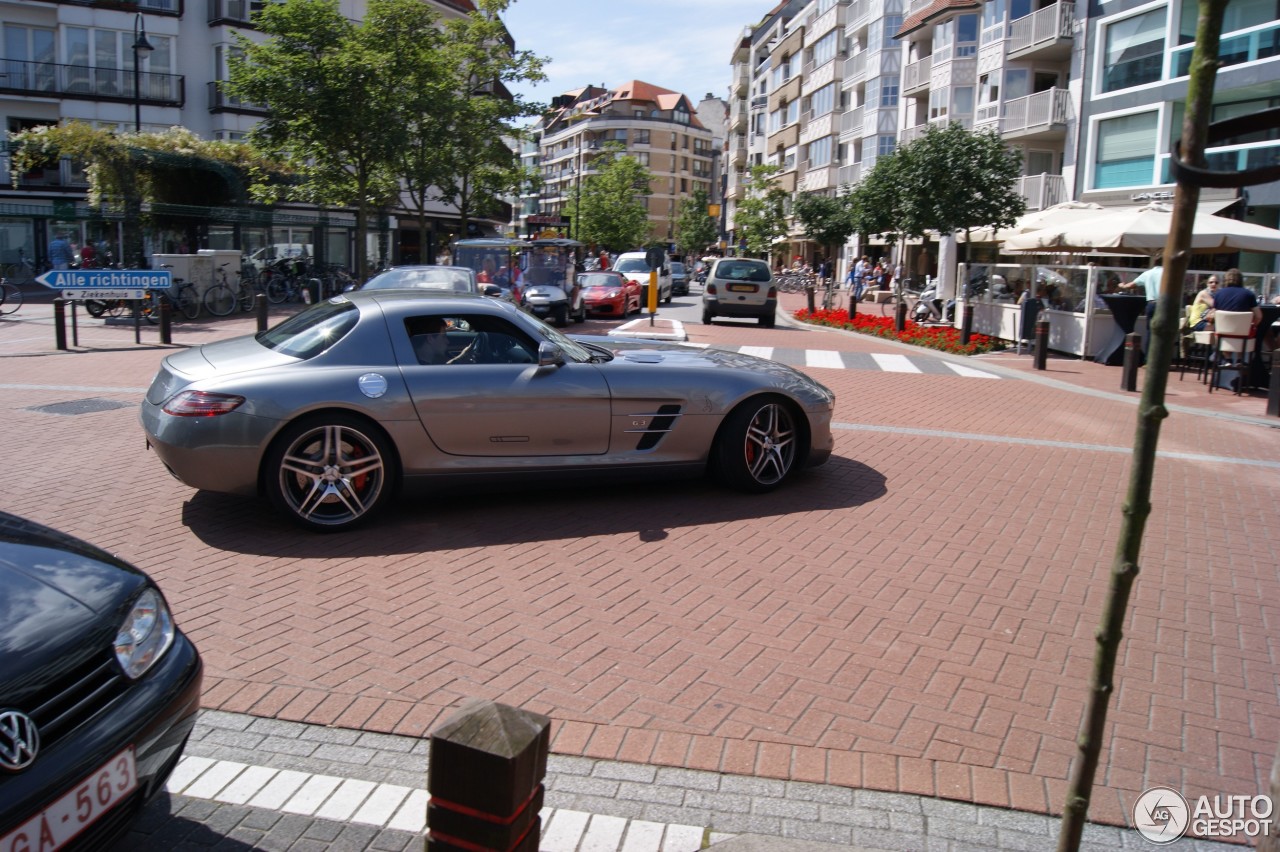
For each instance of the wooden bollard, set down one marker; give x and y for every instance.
(485, 779)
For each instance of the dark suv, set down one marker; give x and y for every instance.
(740, 287)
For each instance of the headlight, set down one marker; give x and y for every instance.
(613, 294)
(147, 632)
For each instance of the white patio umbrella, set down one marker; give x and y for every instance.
(1057, 215)
(1143, 230)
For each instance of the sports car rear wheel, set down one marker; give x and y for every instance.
(330, 473)
(756, 447)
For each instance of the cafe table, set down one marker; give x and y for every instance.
(1125, 310)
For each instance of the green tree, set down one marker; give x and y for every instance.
(611, 209)
(334, 103)
(695, 229)
(826, 219)
(761, 217)
(952, 179)
(876, 202)
(475, 164)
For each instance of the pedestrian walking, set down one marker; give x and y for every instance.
(60, 253)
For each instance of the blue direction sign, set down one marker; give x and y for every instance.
(106, 283)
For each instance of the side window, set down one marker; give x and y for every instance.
(462, 340)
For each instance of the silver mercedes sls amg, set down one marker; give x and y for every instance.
(334, 411)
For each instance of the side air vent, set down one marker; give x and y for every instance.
(659, 425)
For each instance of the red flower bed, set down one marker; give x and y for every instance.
(944, 338)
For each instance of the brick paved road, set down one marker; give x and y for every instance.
(914, 617)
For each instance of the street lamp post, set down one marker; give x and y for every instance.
(141, 47)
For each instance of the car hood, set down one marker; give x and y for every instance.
(676, 356)
(63, 601)
(221, 358)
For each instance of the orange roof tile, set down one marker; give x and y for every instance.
(936, 9)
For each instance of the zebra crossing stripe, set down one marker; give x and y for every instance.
(828, 358)
(962, 370)
(895, 363)
(758, 351)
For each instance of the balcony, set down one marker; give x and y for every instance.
(81, 82)
(234, 12)
(1044, 34)
(855, 68)
(1037, 118)
(817, 177)
(915, 77)
(1042, 191)
(849, 174)
(219, 101)
(851, 123)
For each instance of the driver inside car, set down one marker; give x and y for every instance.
(432, 345)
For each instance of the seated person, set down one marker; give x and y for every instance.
(431, 344)
(1200, 316)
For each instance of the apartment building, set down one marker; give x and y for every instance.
(150, 65)
(657, 126)
(1133, 82)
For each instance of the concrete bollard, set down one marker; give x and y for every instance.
(1273, 395)
(260, 304)
(485, 779)
(1132, 360)
(166, 318)
(60, 323)
(1042, 345)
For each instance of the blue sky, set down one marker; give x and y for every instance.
(683, 45)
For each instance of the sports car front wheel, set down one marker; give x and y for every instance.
(757, 445)
(330, 473)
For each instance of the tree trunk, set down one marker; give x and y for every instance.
(1151, 411)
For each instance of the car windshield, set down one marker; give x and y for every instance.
(677, 268)
(599, 279)
(428, 278)
(311, 332)
(632, 264)
(572, 350)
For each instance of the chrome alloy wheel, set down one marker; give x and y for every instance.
(331, 475)
(769, 445)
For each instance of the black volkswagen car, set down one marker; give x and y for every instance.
(98, 690)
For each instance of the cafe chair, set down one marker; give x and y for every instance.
(1197, 354)
(1233, 344)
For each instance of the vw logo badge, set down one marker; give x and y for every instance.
(19, 740)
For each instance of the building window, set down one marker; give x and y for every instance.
(793, 112)
(1134, 51)
(989, 88)
(1126, 151)
(962, 100)
(885, 145)
(889, 92)
(820, 152)
(775, 120)
(824, 100)
(892, 23)
(640, 137)
(789, 159)
(641, 157)
(824, 49)
(939, 102)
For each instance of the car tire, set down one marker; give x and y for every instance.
(560, 316)
(330, 473)
(667, 300)
(707, 317)
(581, 315)
(757, 445)
(768, 322)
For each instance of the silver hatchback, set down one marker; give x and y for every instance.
(740, 287)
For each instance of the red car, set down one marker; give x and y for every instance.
(609, 293)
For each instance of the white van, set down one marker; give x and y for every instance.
(634, 266)
(269, 254)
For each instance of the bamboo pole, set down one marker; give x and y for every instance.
(1151, 412)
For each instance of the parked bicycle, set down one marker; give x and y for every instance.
(24, 271)
(795, 282)
(221, 299)
(10, 296)
(900, 292)
(183, 296)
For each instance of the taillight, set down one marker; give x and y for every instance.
(202, 404)
(773, 293)
(710, 288)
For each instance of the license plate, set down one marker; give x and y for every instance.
(742, 288)
(58, 824)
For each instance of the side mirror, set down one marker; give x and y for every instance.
(550, 355)
(491, 290)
